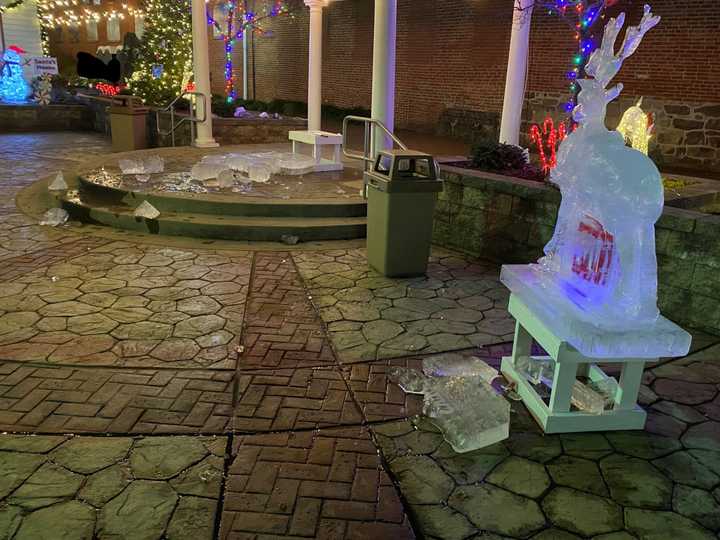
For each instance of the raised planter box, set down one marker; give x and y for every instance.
(33, 117)
(510, 220)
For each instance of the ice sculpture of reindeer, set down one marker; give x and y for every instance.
(602, 254)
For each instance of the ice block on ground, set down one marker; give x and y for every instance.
(147, 210)
(411, 381)
(54, 217)
(259, 173)
(457, 365)
(58, 183)
(470, 414)
(468, 411)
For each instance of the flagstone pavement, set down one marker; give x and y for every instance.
(200, 390)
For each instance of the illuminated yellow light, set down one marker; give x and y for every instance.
(636, 128)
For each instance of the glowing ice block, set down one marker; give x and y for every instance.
(660, 338)
(153, 164)
(458, 398)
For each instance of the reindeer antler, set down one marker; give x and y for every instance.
(604, 64)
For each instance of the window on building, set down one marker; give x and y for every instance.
(74, 33)
(91, 29)
(113, 29)
(220, 16)
(139, 26)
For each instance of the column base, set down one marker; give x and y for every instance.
(205, 143)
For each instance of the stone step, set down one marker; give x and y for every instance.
(119, 214)
(226, 205)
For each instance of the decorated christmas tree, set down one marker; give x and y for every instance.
(165, 57)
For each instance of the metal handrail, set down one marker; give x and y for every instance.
(190, 118)
(368, 154)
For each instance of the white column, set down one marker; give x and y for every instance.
(201, 73)
(383, 77)
(516, 72)
(245, 38)
(315, 65)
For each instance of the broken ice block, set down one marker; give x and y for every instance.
(239, 112)
(153, 164)
(457, 365)
(58, 183)
(147, 210)
(206, 171)
(226, 178)
(289, 239)
(259, 173)
(142, 178)
(411, 381)
(264, 115)
(535, 369)
(238, 162)
(586, 399)
(470, 414)
(54, 217)
(296, 164)
(607, 387)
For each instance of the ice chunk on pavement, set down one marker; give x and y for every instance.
(147, 210)
(205, 171)
(411, 381)
(264, 115)
(227, 178)
(153, 164)
(143, 178)
(54, 217)
(295, 164)
(58, 183)
(259, 173)
(238, 162)
(289, 239)
(457, 365)
(468, 411)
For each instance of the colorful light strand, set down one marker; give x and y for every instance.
(581, 16)
(234, 31)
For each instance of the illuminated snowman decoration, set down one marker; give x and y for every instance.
(601, 260)
(13, 87)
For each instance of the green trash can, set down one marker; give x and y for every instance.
(402, 191)
(128, 123)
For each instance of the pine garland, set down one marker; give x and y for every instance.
(11, 5)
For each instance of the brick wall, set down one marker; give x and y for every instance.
(454, 54)
(510, 220)
(66, 42)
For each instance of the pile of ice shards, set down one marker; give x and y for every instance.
(151, 165)
(459, 399)
(231, 169)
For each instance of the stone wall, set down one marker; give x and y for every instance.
(44, 118)
(687, 134)
(229, 130)
(510, 220)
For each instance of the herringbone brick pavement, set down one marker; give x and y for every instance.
(326, 484)
(282, 329)
(50, 399)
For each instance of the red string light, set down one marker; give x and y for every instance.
(548, 137)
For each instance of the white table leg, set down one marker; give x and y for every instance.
(522, 344)
(564, 380)
(629, 385)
